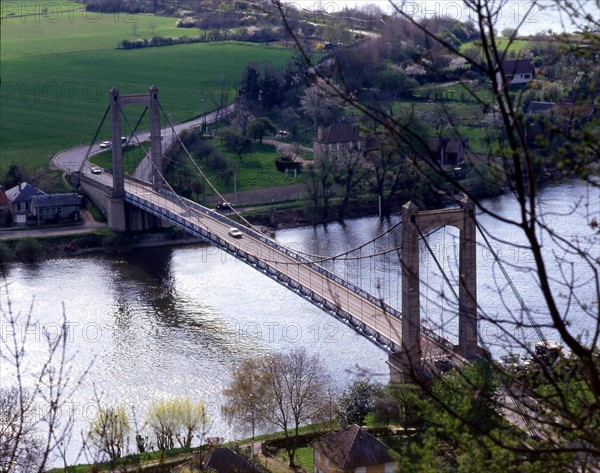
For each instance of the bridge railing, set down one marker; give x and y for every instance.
(302, 260)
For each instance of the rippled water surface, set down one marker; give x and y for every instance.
(163, 322)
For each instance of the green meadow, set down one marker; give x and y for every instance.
(56, 75)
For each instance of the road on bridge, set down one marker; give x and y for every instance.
(366, 316)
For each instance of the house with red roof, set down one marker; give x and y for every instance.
(4, 207)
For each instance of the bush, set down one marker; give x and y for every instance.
(285, 162)
(116, 243)
(187, 22)
(216, 161)
(28, 250)
(6, 254)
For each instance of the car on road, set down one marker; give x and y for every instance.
(123, 140)
(234, 232)
(224, 206)
(105, 144)
(96, 170)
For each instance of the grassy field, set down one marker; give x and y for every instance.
(516, 46)
(256, 170)
(56, 76)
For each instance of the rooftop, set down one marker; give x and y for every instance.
(338, 134)
(353, 447)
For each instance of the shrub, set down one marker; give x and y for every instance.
(217, 162)
(187, 22)
(285, 162)
(6, 254)
(116, 243)
(28, 250)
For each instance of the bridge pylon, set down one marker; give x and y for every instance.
(408, 362)
(116, 211)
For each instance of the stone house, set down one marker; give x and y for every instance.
(336, 139)
(351, 450)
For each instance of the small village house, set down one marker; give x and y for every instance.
(351, 450)
(336, 139)
(55, 207)
(516, 71)
(447, 151)
(19, 198)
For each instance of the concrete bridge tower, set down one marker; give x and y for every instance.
(116, 210)
(408, 362)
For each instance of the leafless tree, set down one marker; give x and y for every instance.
(109, 431)
(36, 420)
(297, 387)
(351, 173)
(246, 396)
(320, 180)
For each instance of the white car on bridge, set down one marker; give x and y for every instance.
(234, 232)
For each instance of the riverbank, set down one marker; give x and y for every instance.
(36, 247)
(34, 244)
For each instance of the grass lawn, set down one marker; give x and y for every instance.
(304, 457)
(57, 70)
(132, 155)
(517, 45)
(256, 170)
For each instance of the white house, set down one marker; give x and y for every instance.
(517, 71)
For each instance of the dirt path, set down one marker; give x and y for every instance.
(289, 149)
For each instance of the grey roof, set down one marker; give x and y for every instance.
(340, 134)
(225, 460)
(518, 66)
(353, 447)
(56, 200)
(536, 107)
(22, 193)
(449, 145)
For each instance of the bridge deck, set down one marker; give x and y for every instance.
(369, 316)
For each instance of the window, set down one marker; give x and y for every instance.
(526, 76)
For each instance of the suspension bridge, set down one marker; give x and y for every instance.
(135, 204)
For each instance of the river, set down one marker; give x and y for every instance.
(176, 321)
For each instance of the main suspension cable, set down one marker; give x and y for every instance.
(514, 289)
(89, 150)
